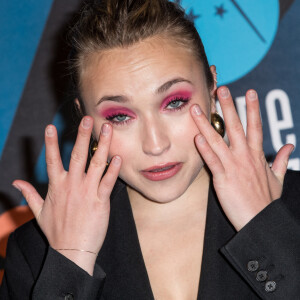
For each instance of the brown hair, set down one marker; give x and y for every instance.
(107, 24)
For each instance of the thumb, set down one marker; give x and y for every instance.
(34, 200)
(280, 164)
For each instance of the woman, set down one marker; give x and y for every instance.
(147, 96)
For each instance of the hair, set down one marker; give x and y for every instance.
(107, 24)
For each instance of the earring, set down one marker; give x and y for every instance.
(93, 147)
(218, 124)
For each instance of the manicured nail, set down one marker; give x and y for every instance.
(252, 95)
(86, 123)
(117, 160)
(49, 131)
(197, 110)
(105, 129)
(17, 187)
(224, 92)
(200, 139)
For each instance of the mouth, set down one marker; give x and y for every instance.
(162, 172)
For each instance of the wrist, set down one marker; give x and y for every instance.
(84, 259)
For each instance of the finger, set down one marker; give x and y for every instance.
(81, 148)
(34, 200)
(234, 128)
(109, 179)
(210, 158)
(254, 125)
(99, 160)
(53, 158)
(214, 139)
(280, 164)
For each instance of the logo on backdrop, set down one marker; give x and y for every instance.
(245, 31)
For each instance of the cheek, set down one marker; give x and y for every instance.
(122, 145)
(184, 130)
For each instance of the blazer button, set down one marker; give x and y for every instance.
(69, 297)
(270, 286)
(261, 275)
(252, 265)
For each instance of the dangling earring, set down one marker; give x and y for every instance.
(218, 124)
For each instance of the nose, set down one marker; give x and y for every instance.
(155, 139)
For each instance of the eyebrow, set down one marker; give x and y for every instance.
(163, 88)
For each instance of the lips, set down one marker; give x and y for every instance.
(162, 172)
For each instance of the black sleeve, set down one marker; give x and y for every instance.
(18, 279)
(266, 252)
(59, 278)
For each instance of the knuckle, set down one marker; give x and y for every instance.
(98, 163)
(106, 185)
(237, 127)
(256, 124)
(217, 140)
(53, 160)
(213, 161)
(77, 156)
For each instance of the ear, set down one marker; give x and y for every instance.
(213, 92)
(77, 105)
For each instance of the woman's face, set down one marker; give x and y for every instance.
(145, 92)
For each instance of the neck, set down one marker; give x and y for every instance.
(192, 203)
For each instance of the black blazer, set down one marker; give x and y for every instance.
(262, 261)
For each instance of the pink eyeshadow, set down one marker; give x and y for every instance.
(116, 110)
(176, 95)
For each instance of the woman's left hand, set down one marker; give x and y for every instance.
(242, 178)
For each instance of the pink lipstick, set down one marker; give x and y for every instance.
(162, 172)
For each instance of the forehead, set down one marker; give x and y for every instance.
(141, 67)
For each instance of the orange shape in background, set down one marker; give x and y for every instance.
(9, 221)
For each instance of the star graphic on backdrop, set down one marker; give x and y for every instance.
(220, 10)
(191, 16)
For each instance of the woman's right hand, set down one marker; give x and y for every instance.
(75, 213)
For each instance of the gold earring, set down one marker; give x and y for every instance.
(218, 124)
(93, 147)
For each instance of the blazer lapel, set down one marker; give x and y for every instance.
(120, 256)
(218, 280)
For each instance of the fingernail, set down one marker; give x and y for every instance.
(49, 131)
(200, 139)
(117, 160)
(197, 110)
(224, 92)
(86, 123)
(17, 187)
(252, 95)
(105, 129)
(292, 150)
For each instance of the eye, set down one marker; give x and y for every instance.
(177, 104)
(118, 118)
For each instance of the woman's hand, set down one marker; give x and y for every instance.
(75, 213)
(242, 178)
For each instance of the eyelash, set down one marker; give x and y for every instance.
(177, 99)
